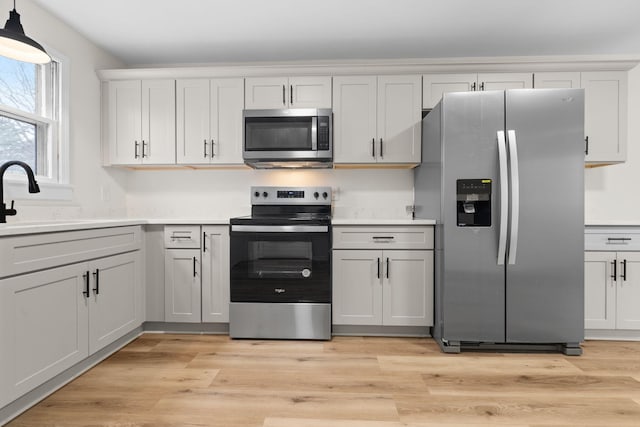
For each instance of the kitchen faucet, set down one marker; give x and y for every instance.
(33, 187)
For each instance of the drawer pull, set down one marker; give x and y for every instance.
(379, 238)
(618, 240)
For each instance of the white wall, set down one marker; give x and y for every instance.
(611, 192)
(87, 176)
(370, 193)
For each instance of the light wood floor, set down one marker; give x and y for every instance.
(203, 380)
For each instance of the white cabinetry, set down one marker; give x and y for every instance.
(377, 119)
(436, 85)
(215, 274)
(209, 121)
(53, 318)
(197, 274)
(141, 122)
(612, 284)
(605, 106)
(388, 282)
(288, 92)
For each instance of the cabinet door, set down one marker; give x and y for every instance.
(215, 274)
(628, 291)
(116, 298)
(399, 119)
(266, 92)
(227, 102)
(43, 327)
(193, 136)
(558, 80)
(310, 92)
(436, 85)
(158, 122)
(354, 119)
(182, 285)
(357, 287)
(124, 122)
(605, 102)
(407, 288)
(503, 81)
(599, 290)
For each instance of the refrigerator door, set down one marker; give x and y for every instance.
(545, 268)
(471, 287)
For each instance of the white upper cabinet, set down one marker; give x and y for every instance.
(436, 85)
(209, 121)
(288, 92)
(605, 108)
(605, 116)
(141, 122)
(377, 119)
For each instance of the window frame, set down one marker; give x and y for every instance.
(55, 184)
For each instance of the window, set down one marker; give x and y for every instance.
(29, 116)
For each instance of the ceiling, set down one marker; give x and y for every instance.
(155, 32)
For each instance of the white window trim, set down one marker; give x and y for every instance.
(51, 190)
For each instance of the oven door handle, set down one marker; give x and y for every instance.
(281, 228)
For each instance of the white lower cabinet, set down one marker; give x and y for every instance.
(390, 286)
(197, 274)
(612, 290)
(53, 319)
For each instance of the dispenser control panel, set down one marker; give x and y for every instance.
(473, 202)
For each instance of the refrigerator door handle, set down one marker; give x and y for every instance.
(504, 197)
(515, 195)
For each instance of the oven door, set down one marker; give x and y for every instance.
(281, 264)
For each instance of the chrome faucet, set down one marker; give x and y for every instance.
(33, 187)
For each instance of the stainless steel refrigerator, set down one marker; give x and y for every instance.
(502, 174)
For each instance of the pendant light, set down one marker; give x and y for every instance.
(15, 45)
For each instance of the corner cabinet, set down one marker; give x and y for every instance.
(52, 316)
(605, 106)
(288, 92)
(140, 122)
(612, 283)
(383, 276)
(377, 119)
(209, 121)
(436, 85)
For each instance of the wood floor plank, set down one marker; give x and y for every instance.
(549, 410)
(459, 364)
(382, 346)
(532, 385)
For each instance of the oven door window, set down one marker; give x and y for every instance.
(280, 267)
(278, 134)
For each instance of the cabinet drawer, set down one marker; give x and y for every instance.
(21, 254)
(182, 236)
(388, 237)
(615, 240)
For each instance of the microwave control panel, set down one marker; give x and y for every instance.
(323, 132)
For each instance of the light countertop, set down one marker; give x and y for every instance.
(32, 227)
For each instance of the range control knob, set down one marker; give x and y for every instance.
(256, 194)
(265, 194)
(316, 195)
(325, 195)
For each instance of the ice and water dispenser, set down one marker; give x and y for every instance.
(473, 200)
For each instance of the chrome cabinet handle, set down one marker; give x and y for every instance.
(212, 152)
(194, 266)
(378, 268)
(614, 276)
(381, 150)
(144, 144)
(586, 145)
(387, 267)
(473, 86)
(373, 147)
(284, 95)
(135, 149)
(482, 86)
(624, 270)
(205, 148)
(291, 93)
(204, 241)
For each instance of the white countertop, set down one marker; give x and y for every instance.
(32, 227)
(613, 223)
(379, 221)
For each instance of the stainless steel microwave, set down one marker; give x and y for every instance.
(296, 138)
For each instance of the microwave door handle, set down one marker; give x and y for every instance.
(314, 133)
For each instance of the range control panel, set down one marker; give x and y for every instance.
(290, 195)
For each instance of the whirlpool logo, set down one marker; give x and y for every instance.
(279, 290)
